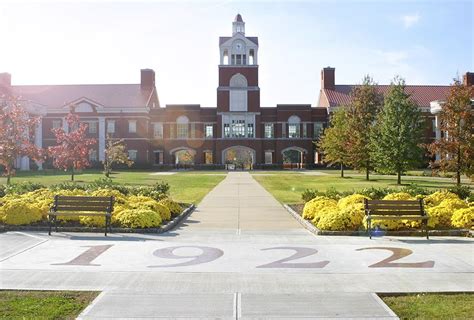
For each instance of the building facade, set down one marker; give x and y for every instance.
(239, 131)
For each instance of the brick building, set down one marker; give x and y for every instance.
(238, 131)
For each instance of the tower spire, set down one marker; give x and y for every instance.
(238, 26)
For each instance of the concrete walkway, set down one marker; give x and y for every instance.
(238, 256)
(240, 203)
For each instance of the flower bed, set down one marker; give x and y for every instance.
(136, 208)
(335, 212)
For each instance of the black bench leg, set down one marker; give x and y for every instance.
(56, 223)
(369, 227)
(427, 233)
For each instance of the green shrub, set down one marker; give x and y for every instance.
(22, 187)
(67, 186)
(415, 190)
(463, 192)
(2, 190)
(376, 193)
(309, 194)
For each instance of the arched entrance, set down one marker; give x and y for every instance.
(238, 157)
(183, 157)
(294, 158)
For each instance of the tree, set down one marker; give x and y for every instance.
(115, 153)
(17, 130)
(398, 135)
(361, 114)
(456, 147)
(72, 149)
(333, 143)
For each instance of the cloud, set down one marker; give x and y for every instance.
(393, 58)
(409, 20)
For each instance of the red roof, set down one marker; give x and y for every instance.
(107, 95)
(422, 94)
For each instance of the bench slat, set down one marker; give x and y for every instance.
(82, 202)
(398, 218)
(394, 206)
(79, 213)
(396, 212)
(388, 202)
(82, 208)
(83, 198)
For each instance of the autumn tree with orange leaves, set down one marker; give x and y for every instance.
(72, 149)
(456, 146)
(17, 130)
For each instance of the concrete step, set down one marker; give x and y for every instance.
(133, 305)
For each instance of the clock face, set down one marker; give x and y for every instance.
(239, 46)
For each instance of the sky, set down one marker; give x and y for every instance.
(93, 42)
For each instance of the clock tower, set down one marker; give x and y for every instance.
(238, 90)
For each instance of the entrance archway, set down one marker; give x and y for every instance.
(294, 157)
(239, 157)
(183, 157)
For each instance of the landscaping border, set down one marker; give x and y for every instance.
(165, 228)
(311, 228)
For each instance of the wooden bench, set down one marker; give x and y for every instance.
(81, 206)
(395, 210)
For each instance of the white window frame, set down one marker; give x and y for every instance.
(92, 127)
(158, 130)
(270, 134)
(111, 126)
(132, 126)
(92, 155)
(206, 133)
(132, 154)
(56, 124)
(268, 161)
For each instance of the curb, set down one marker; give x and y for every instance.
(307, 225)
(167, 227)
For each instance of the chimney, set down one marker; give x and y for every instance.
(328, 78)
(468, 79)
(147, 79)
(5, 80)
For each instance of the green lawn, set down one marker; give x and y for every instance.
(43, 304)
(288, 186)
(187, 186)
(432, 306)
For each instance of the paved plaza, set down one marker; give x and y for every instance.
(239, 255)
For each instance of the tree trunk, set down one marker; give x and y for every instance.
(8, 179)
(72, 174)
(399, 177)
(458, 177)
(367, 173)
(342, 170)
(458, 168)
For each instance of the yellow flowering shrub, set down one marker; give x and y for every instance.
(313, 207)
(399, 196)
(334, 219)
(19, 210)
(436, 198)
(351, 200)
(174, 207)
(138, 218)
(119, 198)
(462, 218)
(440, 215)
(143, 202)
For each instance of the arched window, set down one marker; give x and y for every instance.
(182, 127)
(225, 57)
(238, 93)
(251, 57)
(294, 127)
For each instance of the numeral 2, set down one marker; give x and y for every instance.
(397, 253)
(300, 253)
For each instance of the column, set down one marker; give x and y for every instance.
(101, 138)
(39, 140)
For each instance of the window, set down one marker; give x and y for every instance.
(92, 155)
(294, 127)
(318, 128)
(172, 128)
(209, 130)
(249, 130)
(226, 130)
(238, 128)
(158, 130)
(433, 125)
(56, 124)
(193, 130)
(305, 130)
(283, 130)
(208, 157)
(92, 127)
(111, 126)
(268, 130)
(132, 126)
(182, 127)
(158, 157)
(268, 157)
(132, 154)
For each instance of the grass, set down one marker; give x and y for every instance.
(188, 186)
(432, 306)
(43, 304)
(287, 187)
